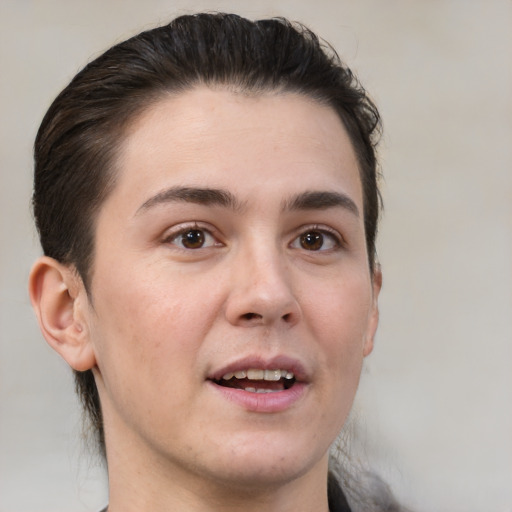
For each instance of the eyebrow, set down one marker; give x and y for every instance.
(321, 200)
(203, 196)
(311, 200)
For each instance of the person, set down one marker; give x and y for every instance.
(206, 195)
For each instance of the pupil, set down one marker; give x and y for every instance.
(312, 241)
(193, 239)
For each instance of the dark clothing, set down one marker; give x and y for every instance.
(337, 500)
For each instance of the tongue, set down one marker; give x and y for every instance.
(258, 384)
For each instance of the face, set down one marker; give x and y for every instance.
(231, 300)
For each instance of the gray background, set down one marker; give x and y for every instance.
(434, 411)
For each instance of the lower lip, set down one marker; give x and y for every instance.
(277, 401)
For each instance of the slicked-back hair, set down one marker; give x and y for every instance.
(78, 142)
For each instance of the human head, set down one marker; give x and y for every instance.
(79, 138)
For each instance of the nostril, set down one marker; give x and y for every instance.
(251, 316)
(256, 316)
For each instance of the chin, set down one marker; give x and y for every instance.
(254, 477)
(267, 462)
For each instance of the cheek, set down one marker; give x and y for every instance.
(338, 315)
(153, 325)
(339, 310)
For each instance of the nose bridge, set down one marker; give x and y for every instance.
(267, 271)
(262, 286)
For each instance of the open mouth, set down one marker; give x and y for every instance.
(258, 381)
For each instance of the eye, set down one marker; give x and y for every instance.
(193, 238)
(316, 240)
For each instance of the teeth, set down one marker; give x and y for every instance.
(273, 375)
(257, 374)
(258, 390)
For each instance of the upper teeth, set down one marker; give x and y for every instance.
(255, 374)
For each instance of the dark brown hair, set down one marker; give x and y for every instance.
(78, 140)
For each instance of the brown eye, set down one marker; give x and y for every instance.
(193, 239)
(316, 240)
(312, 241)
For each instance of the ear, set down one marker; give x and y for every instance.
(60, 302)
(373, 321)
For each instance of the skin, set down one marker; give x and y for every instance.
(162, 317)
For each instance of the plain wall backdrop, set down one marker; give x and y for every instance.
(434, 410)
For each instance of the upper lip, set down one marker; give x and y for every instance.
(280, 362)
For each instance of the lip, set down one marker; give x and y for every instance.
(278, 401)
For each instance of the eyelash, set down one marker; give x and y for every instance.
(334, 236)
(174, 237)
(204, 233)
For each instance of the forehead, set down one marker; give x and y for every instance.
(220, 137)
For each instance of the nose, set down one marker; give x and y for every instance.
(261, 291)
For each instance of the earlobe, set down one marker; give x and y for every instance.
(60, 301)
(374, 313)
